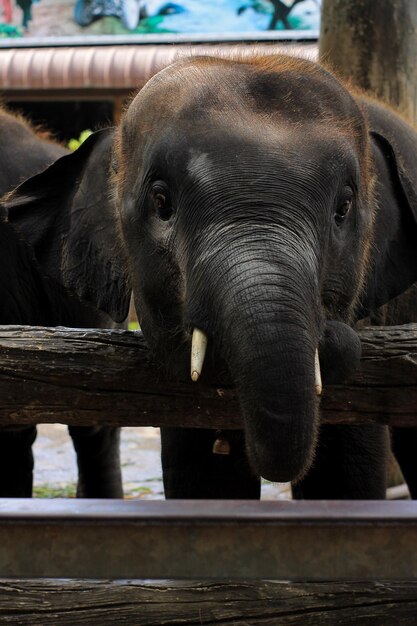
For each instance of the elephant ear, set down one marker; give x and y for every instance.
(67, 215)
(393, 266)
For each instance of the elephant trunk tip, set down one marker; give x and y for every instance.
(278, 466)
(281, 445)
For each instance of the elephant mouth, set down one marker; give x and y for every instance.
(336, 358)
(199, 344)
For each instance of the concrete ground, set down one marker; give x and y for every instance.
(56, 475)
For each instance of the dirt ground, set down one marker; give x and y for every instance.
(55, 465)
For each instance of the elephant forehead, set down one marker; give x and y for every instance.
(200, 167)
(196, 87)
(279, 152)
(219, 132)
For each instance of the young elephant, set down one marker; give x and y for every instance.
(29, 298)
(263, 206)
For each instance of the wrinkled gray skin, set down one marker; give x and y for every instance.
(27, 297)
(259, 201)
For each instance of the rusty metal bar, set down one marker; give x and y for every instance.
(208, 539)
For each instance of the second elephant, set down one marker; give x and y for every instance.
(28, 297)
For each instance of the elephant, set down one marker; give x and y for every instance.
(258, 208)
(29, 297)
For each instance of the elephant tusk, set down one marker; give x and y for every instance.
(198, 352)
(317, 374)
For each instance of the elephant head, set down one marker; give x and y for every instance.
(238, 201)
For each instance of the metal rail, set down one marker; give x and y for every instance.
(208, 540)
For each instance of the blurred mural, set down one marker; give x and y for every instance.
(56, 18)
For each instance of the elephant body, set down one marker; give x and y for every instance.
(30, 298)
(260, 202)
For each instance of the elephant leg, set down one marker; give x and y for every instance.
(404, 447)
(16, 462)
(98, 460)
(350, 464)
(191, 470)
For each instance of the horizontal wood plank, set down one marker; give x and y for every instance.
(166, 603)
(88, 377)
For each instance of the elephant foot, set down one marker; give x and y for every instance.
(98, 460)
(16, 461)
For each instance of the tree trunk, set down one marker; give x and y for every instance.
(374, 44)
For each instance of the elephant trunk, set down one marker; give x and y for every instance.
(266, 327)
(274, 371)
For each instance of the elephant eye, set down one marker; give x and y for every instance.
(342, 211)
(160, 198)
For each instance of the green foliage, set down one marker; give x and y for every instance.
(73, 144)
(134, 325)
(138, 492)
(49, 491)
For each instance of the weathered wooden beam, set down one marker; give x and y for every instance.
(165, 603)
(197, 540)
(89, 377)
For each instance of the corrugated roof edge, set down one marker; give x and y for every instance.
(113, 68)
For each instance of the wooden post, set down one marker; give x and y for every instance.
(374, 44)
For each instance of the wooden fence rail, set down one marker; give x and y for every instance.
(87, 377)
(169, 603)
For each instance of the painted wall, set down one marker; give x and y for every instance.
(75, 18)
